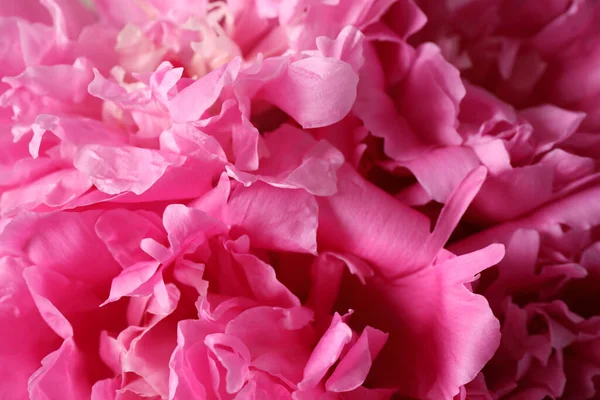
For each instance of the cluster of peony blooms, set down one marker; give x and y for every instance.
(299, 199)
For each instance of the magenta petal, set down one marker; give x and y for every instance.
(431, 96)
(441, 170)
(363, 220)
(61, 375)
(443, 331)
(22, 347)
(326, 353)
(353, 368)
(233, 355)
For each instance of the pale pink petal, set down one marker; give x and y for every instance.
(105, 89)
(69, 17)
(131, 279)
(346, 47)
(296, 160)
(54, 190)
(106, 389)
(315, 91)
(116, 170)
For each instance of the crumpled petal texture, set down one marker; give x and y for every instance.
(299, 199)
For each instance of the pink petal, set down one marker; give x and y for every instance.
(353, 368)
(314, 91)
(436, 325)
(116, 170)
(529, 187)
(346, 47)
(132, 279)
(297, 161)
(123, 240)
(233, 355)
(263, 282)
(441, 170)
(26, 338)
(62, 242)
(361, 219)
(431, 95)
(69, 18)
(189, 367)
(282, 219)
(326, 353)
(279, 340)
(188, 226)
(551, 125)
(61, 375)
(191, 103)
(54, 190)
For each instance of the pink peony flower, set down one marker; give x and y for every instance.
(187, 308)
(253, 199)
(181, 215)
(434, 124)
(544, 293)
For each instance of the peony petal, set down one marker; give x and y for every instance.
(431, 95)
(22, 347)
(189, 227)
(263, 282)
(116, 170)
(441, 170)
(353, 368)
(275, 218)
(54, 190)
(279, 340)
(315, 91)
(436, 324)
(191, 103)
(364, 221)
(61, 375)
(69, 18)
(61, 242)
(326, 353)
(123, 240)
(233, 355)
(296, 161)
(346, 47)
(551, 125)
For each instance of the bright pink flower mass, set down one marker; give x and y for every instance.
(299, 199)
